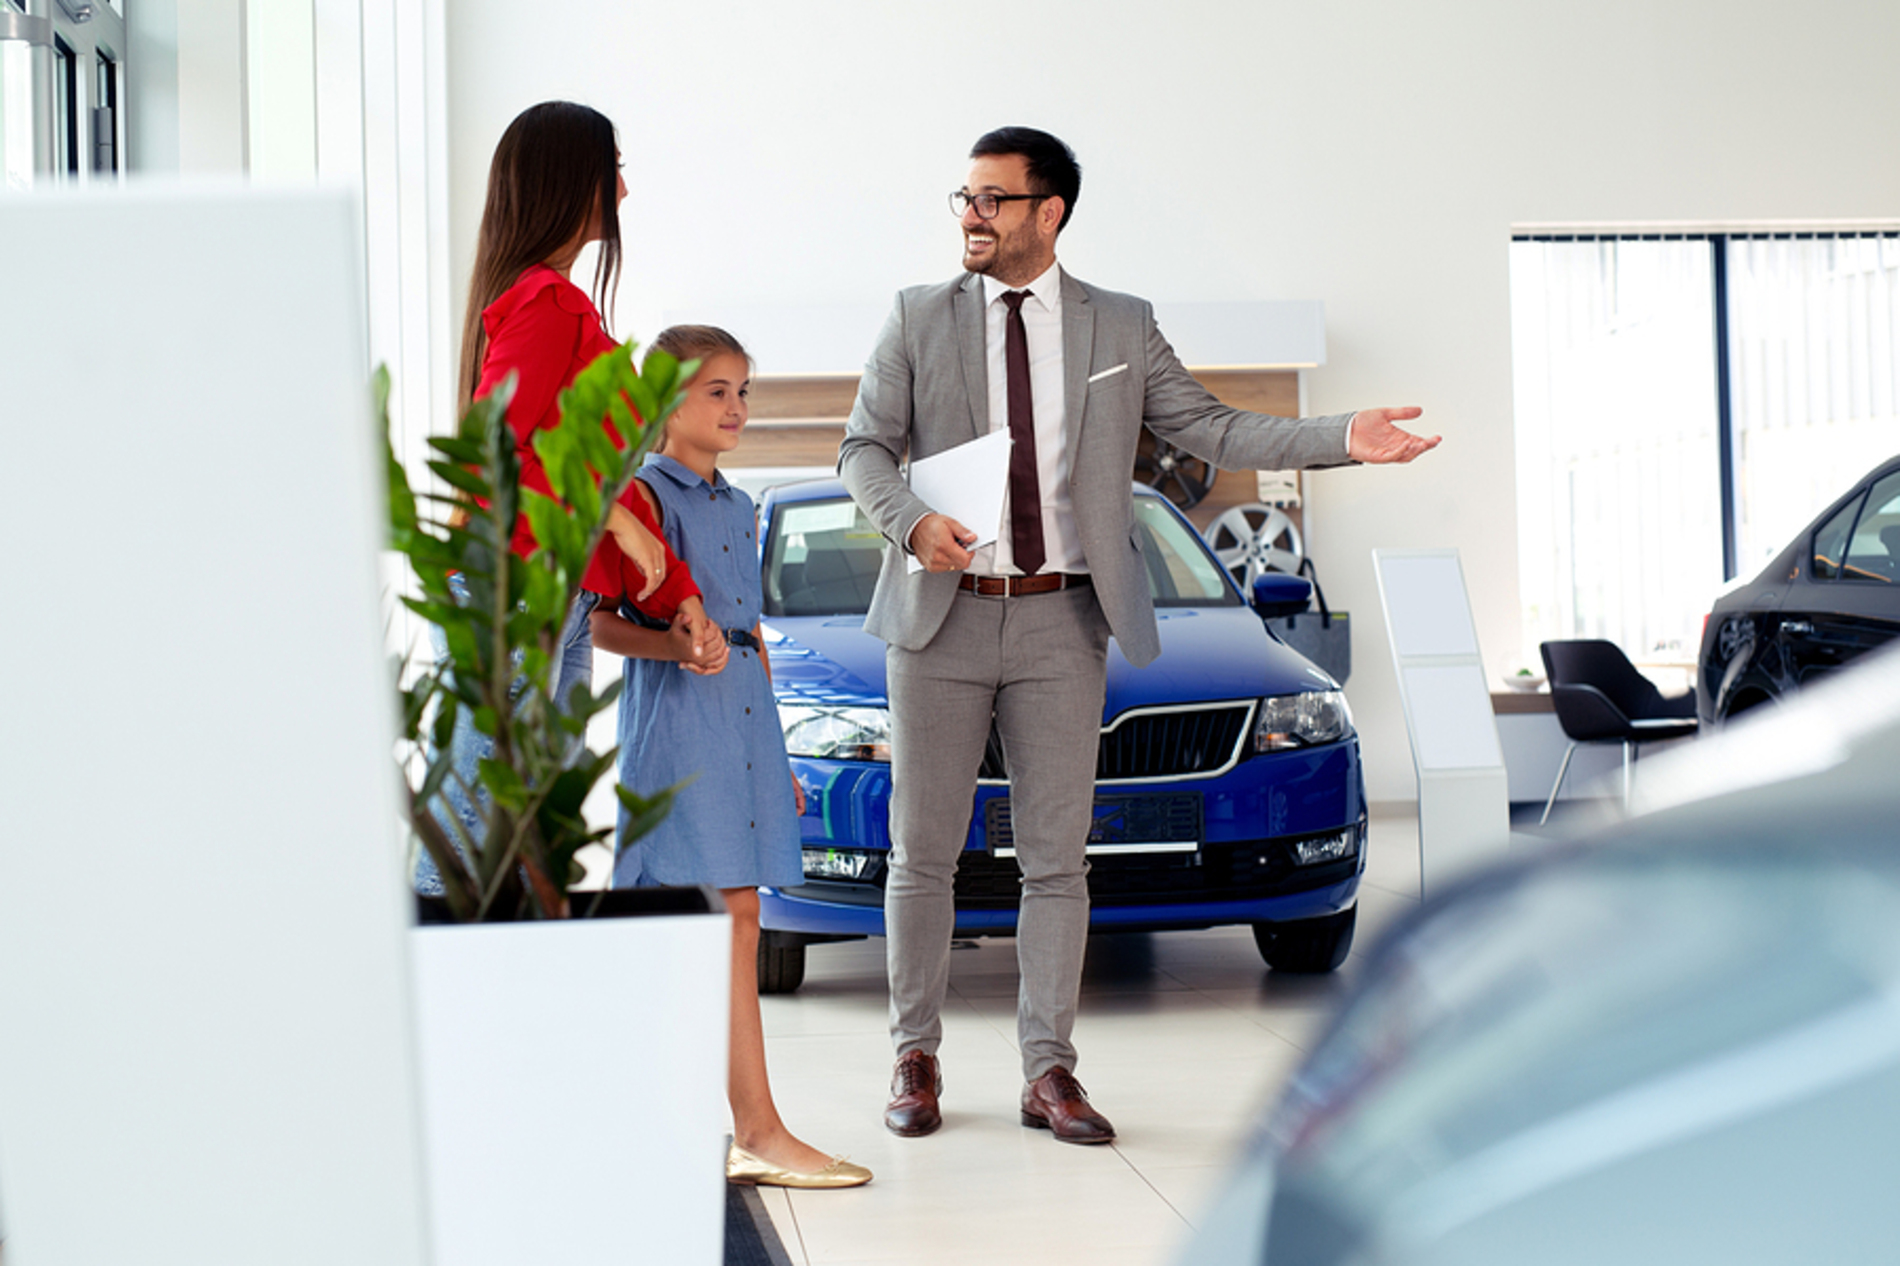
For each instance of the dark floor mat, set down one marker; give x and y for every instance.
(750, 1238)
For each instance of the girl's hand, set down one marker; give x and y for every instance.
(642, 548)
(798, 794)
(701, 643)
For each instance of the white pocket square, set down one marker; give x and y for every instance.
(1108, 373)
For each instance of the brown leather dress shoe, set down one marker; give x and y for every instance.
(915, 1084)
(1056, 1102)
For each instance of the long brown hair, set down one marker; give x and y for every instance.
(555, 166)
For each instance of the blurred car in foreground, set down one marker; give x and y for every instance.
(1677, 1041)
(1831, 596)
(1228, 784)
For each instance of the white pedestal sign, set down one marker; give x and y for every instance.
(1464, 812)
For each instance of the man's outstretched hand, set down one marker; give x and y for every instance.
(1376, 441)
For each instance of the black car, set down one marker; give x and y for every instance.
(1676, 1040)
(1827, 599)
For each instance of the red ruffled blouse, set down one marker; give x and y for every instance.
(545, 330)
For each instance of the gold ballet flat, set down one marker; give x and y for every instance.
(743, 1167)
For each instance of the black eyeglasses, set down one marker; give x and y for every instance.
(988, 204)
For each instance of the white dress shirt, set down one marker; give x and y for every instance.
(1042, 324)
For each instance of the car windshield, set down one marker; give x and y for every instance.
(823, 558)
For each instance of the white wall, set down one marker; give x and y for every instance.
(151, 86)
(1371, 155)
(280, 59)
(211, 86)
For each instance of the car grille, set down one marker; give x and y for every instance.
(1155, 743)
(1247, 871)
(1234, 872)
(1126, 822)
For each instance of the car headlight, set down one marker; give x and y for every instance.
(1301, 720)
(836, 733)
(1337, 846)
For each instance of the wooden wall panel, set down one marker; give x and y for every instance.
(799, 421)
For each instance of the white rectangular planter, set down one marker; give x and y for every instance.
(573, 1089)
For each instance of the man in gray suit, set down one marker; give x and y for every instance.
(1017, 630)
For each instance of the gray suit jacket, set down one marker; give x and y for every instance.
(926, 389)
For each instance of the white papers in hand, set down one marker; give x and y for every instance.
(966, 483)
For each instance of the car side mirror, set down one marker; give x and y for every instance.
(1276, 594)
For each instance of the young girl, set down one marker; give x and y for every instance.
(736, 826)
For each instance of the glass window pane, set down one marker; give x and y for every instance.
(1813, 328)
(1874, 553)
(1619, 497)
(1830, 542)
(65, 110)
(16, 115)
(823, 559)
(1185, 576)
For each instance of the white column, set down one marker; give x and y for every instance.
(204, 993)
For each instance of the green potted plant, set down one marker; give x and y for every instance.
(513, 996)
(503, 639)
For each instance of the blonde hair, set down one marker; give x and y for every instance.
(700, 343)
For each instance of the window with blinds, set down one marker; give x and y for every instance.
(1685, 404)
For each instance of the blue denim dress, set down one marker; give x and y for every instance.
(735, 826)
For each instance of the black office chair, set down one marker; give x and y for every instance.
(1601, 698)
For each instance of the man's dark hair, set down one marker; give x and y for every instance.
(1052, 165)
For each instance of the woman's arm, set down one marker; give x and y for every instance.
(676, 598)
(642, 547)
(536, 343)
(675, 593)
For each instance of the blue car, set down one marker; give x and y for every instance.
(1228, 785)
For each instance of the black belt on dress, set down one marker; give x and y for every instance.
(742, 638)
(1020, 586)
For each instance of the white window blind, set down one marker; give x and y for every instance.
(1619, 500)
(1815, 374)
(1650, 468)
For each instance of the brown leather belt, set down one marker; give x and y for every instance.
(1020, 586)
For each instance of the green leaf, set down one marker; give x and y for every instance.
(644, 399)
(457, 477)
(551, 521)
(504, 784)
(496, 402)
(543, 600)
(661, 371)
(646, 812)
(462, 451)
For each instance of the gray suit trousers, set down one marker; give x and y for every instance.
(1038, 664)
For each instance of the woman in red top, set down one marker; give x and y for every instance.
(554, 186)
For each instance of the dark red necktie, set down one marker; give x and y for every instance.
(1025, 496)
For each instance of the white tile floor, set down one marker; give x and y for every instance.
(1183, 1036)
